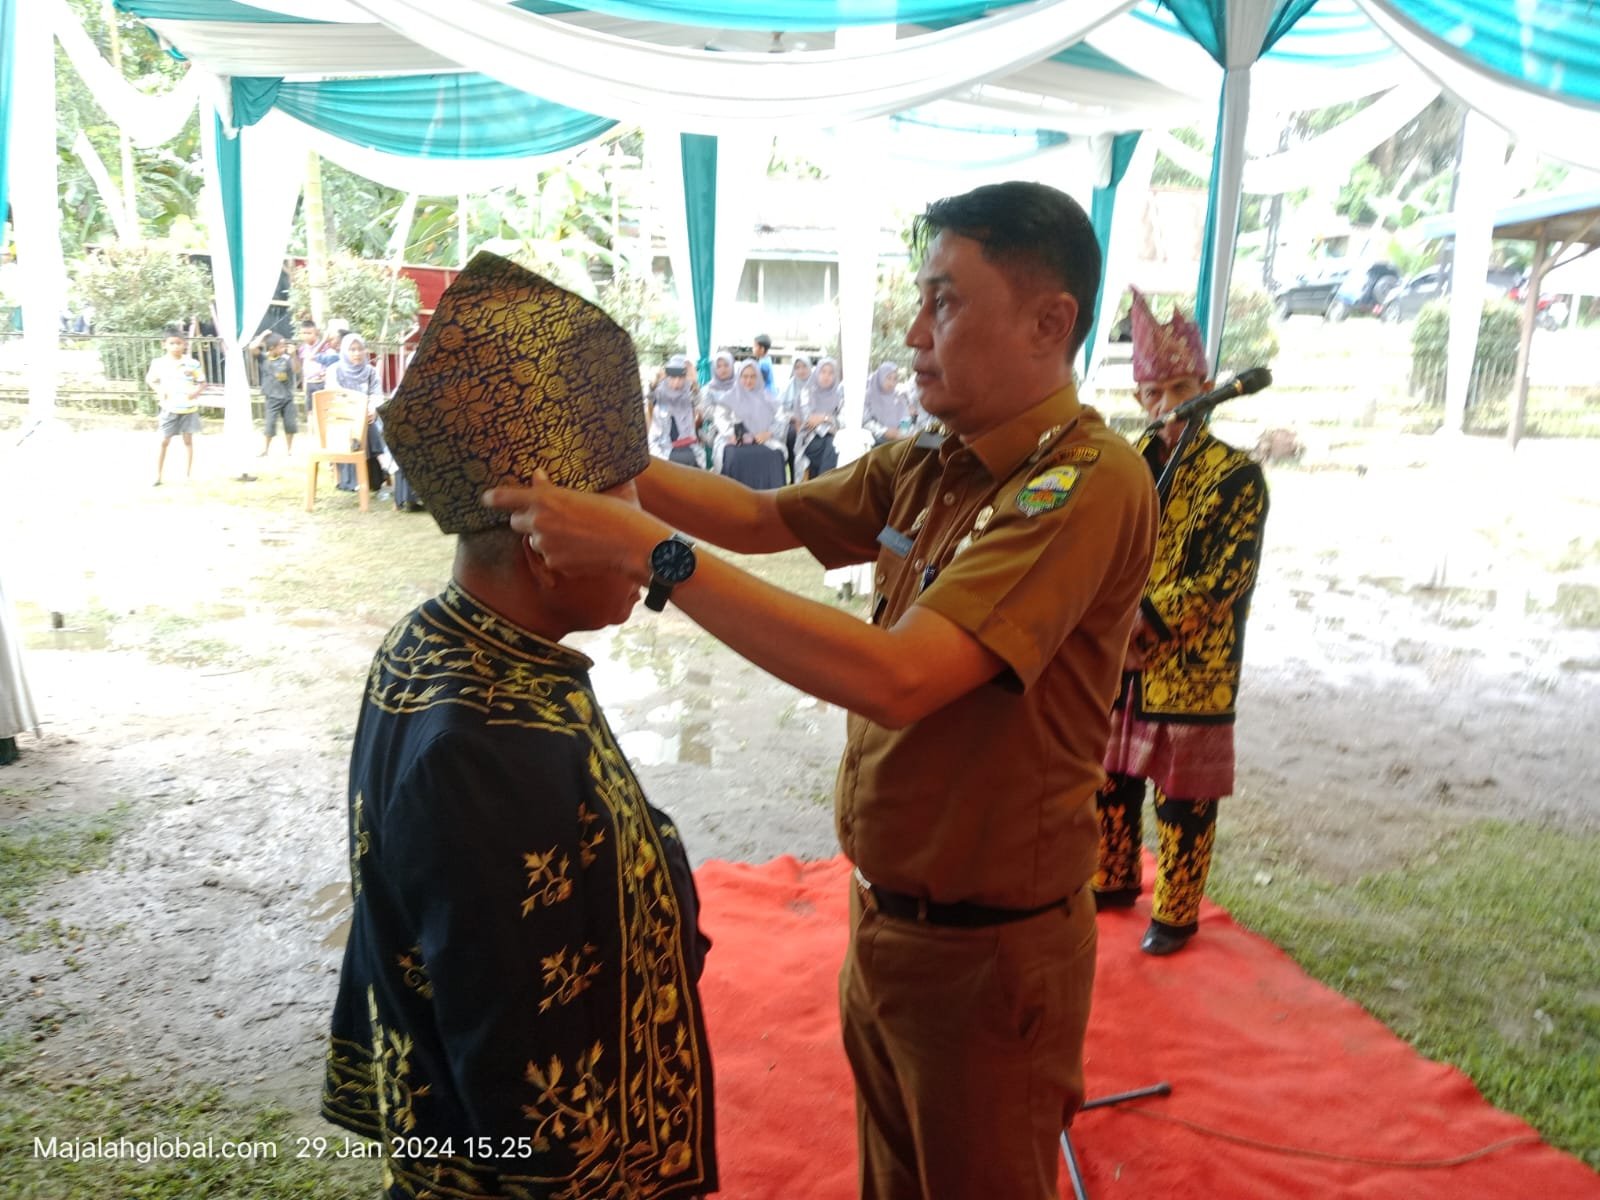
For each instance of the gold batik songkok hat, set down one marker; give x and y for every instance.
(514, 374)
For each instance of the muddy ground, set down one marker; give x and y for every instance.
(1423, 653)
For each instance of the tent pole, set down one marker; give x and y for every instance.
(1530, 313)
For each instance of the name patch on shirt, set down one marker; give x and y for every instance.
(1048, 491)
(1080, 454)
(894, 541)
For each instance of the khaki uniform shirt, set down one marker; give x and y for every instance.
(1036, 539)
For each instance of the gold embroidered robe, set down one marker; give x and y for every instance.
(517, 1012)
(1198, 595)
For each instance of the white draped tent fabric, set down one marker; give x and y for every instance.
(35, 207)
(1558, 128)
(713, 81)
(148, 120)
(420, 176)
(271, 184)
(1248, 21)
(1119, 249)
(714, 92)
(1327, 155)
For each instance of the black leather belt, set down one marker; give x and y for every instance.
(961, 915)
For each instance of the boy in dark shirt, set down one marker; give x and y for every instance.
(279, 388)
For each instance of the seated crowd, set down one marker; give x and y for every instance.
(741, 424)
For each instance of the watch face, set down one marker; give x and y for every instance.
(672, 561)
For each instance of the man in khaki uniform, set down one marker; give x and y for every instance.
(1010, 550)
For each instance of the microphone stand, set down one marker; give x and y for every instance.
(1192, 421)
(1190, 425)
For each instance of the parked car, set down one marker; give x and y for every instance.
(1339, 292)
(1406, 301)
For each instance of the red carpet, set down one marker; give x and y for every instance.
(1252, 1047)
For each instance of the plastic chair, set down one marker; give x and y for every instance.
(341, 427)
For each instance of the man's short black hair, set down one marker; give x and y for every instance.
(1025, 227)
(308, 323)
(174, 331)
(763, 341)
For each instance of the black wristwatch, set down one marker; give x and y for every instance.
(671, 563)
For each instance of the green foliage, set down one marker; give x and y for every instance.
(1494, 369)
(894, 307)
(1167, 173)
(33, 852)
(168, 178)
(378, 304)
(1355, 197)
(641, 306)
(360, 213)
(1249, 336)
(141, 289)
(275, 1161)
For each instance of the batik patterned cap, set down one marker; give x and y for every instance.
(514, 374)
(1168, 351)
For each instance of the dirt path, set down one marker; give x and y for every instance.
(208, 679)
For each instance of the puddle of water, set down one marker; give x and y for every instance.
(329, 902)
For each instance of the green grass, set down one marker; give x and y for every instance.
(112, 1108)
(35, 850)
(1485, 953)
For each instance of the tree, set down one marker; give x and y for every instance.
(142, 289)
(166, 183)
(378, 304)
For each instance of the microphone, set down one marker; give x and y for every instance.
(1246, 383)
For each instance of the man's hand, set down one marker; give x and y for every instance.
(583, 533)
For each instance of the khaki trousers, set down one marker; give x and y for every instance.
(967, 1050)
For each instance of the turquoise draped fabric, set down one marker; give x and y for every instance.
(1206, 22)
(230, 180)
(790, 14)
(1553, 48)
(717, 14)
(207, 10)
(8, 49)
(1102, 206)
(700, 208)
(443, 116)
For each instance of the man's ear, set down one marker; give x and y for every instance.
(539, 570)
(1055, 318)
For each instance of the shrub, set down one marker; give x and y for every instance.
(640, 305)
(1493, 370)
(141, 289)
(1248, 336)
(894, 307)
(377, 304)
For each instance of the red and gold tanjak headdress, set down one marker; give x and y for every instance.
(1168, 351)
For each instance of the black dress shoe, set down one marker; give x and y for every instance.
(1162, 939)
(1115, 898)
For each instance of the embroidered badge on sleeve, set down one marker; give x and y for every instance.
(1047, 492)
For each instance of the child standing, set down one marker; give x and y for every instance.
(278, 389)
(177, 381)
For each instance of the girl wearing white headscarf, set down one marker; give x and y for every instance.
(354, 372)
(818, 418)
(794, 391)
(885, 413)
(751, 447)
